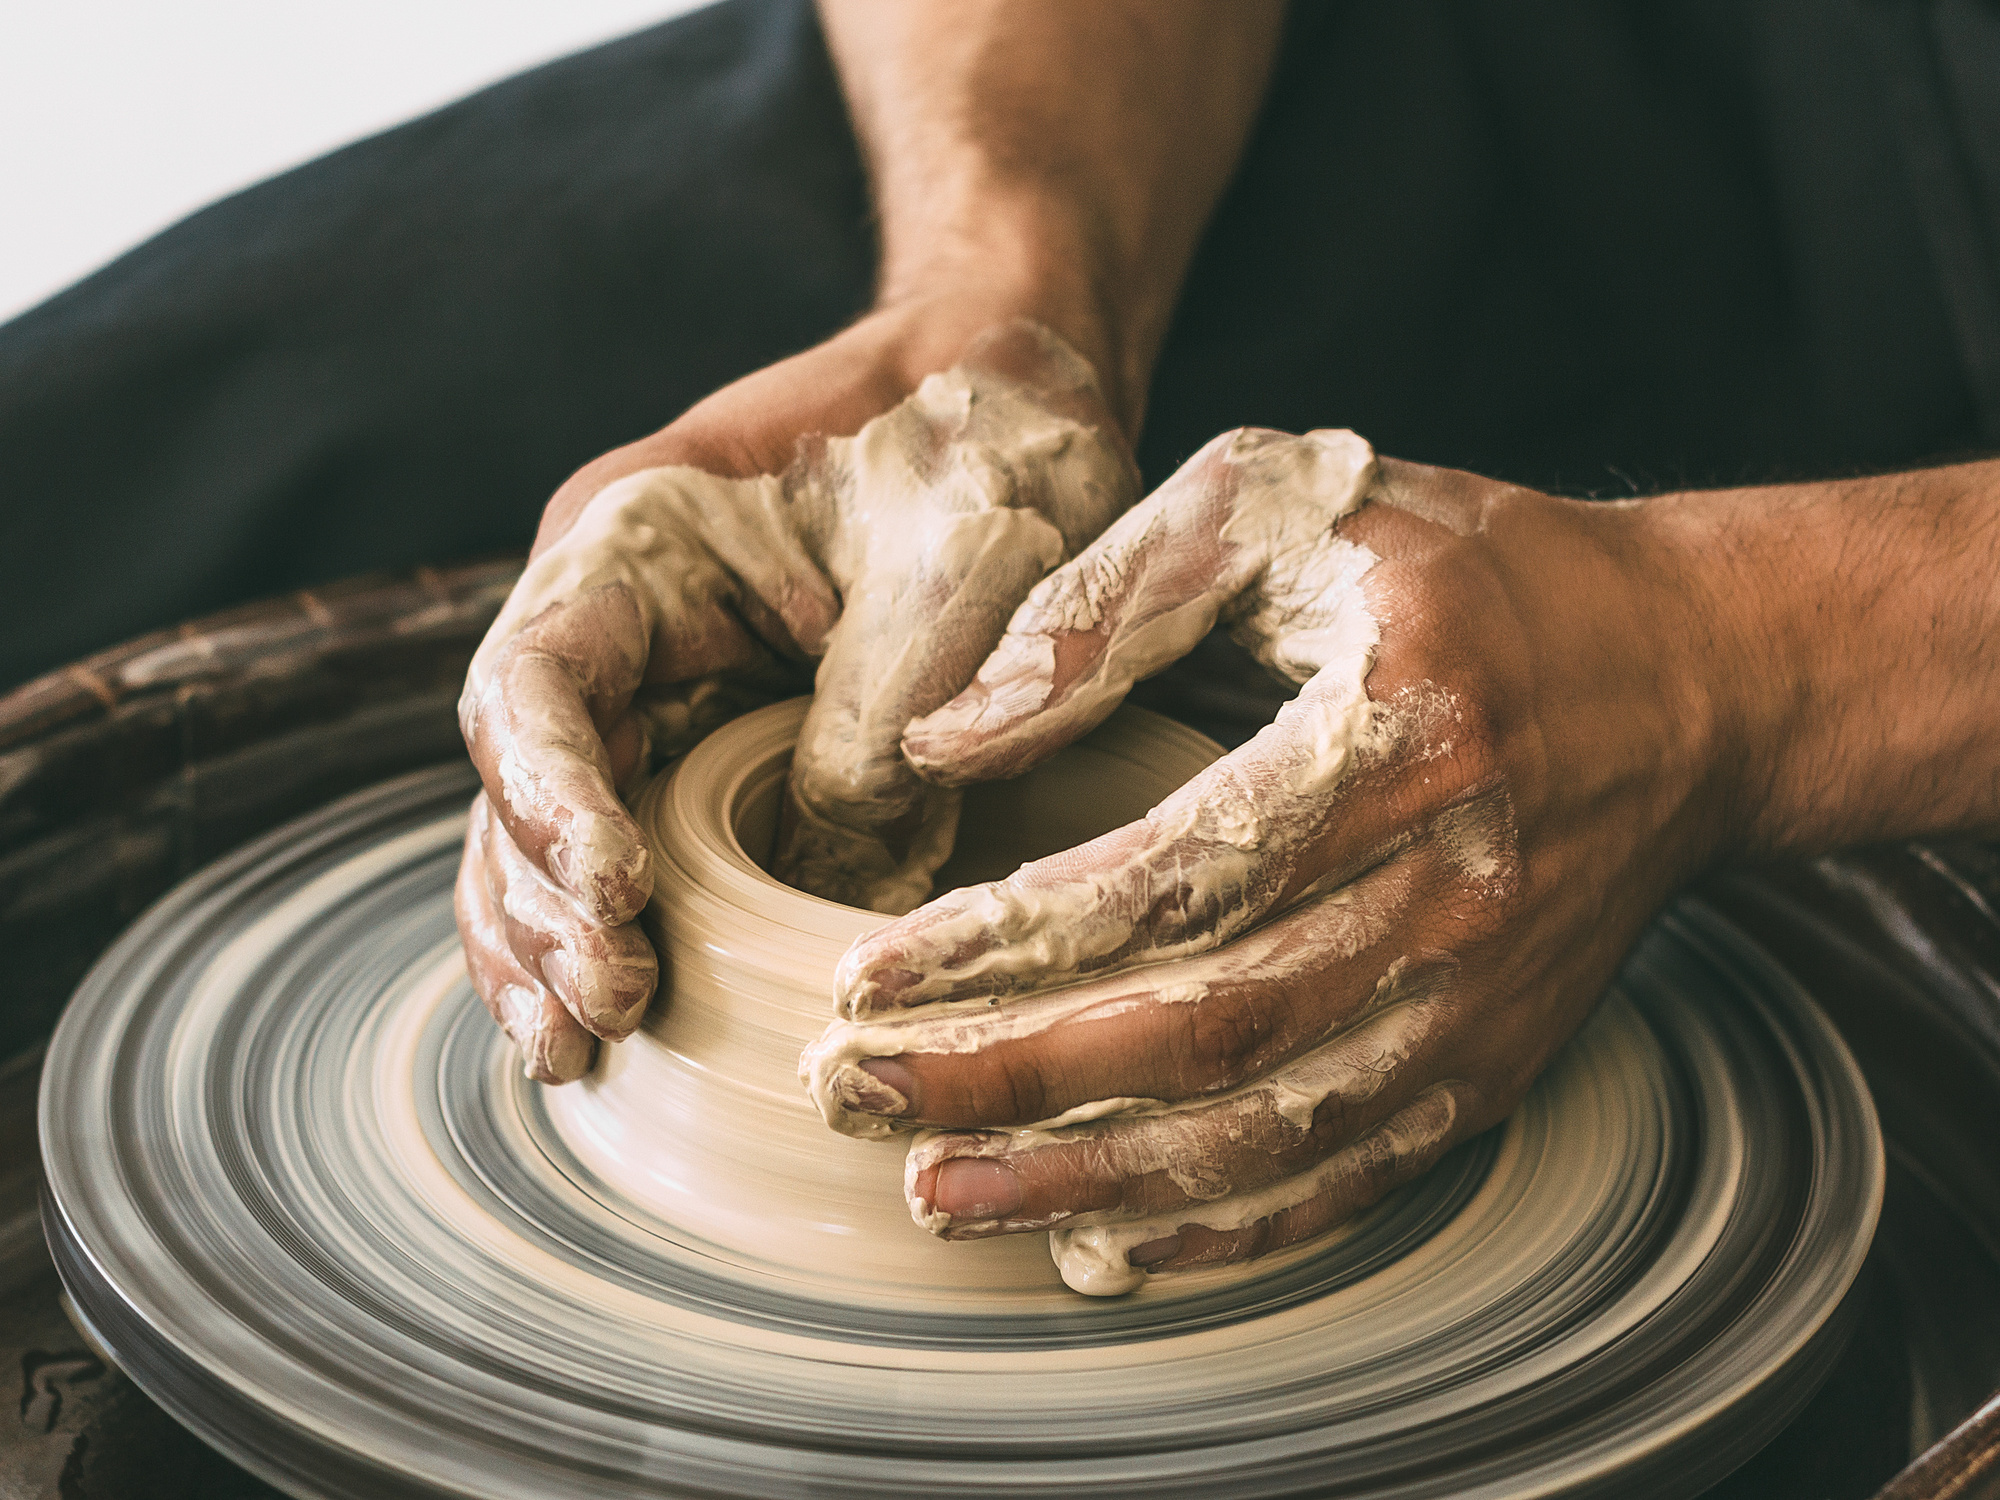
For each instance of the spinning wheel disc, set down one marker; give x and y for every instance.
(301, 1193)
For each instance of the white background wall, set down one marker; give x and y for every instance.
(119, 116)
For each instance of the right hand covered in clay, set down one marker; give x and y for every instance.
(1346, 946)
(693, 576)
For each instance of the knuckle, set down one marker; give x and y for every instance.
(1240, 444)
(597, 639)
(1330, 1124)
(1474, 747)
(1230, 1034)
(1074, 1178)
(1011, 1090)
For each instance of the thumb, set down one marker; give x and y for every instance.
(945, 512)
(862, 827)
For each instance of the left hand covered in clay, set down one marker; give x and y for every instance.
(664, 598)
(1347, 946)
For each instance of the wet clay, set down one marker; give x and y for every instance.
(700, 1114)
(895, 556)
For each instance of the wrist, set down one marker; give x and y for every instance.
(1734, 665)
(1843, 636)
(1061, 158)
(1634, 685)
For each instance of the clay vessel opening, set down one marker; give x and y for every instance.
(1079, 795)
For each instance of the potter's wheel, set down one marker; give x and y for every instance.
(302, 1195)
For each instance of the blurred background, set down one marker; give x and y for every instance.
(119, 116)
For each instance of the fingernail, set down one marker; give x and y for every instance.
(1154, 1252)
(872, 1088)
(898, 1080)
(971, 1187)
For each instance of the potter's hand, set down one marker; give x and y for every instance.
(1023, 159)
(663, 598)
(1346, 946)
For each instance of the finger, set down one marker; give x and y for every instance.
(954, 505)
(603, 975)
(664, 574)
(1152, 1164)
(862, 827)
(1248, 518)
(535, 730)
(1171, 1032)
(1243, 838)
(1107, 1259)
(553, 1047)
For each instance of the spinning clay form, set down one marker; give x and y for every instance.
(701, 1116)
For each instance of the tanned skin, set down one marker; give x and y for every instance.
(1649, 689)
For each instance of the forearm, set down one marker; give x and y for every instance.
(1860, 653)
(1060, 159)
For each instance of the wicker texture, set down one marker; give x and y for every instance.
(127, 771)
